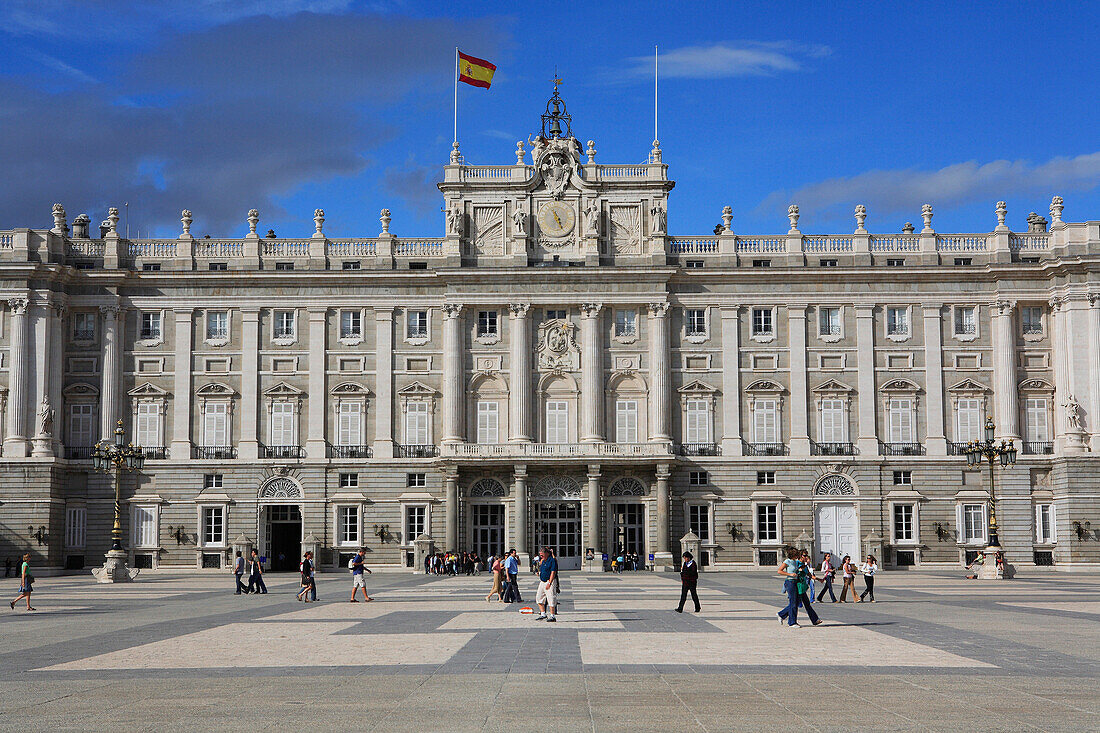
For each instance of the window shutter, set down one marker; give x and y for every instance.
(960, 527)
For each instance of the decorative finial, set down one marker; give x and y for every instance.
(1002, 213)
(456, 156)
(727, 219)
(112, 220)
(655, 154)
(792, 214)
(591, 152)
(520, 152)
(59, 225)
(385, 219)
(185, 219)
(926, 214)
(318, 221)
(908, 228)
(253, 219)
(1056, 210)
(861, 217)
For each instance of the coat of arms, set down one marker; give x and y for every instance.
(558, 347)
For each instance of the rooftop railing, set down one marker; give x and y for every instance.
(431, 247)
(351, 247)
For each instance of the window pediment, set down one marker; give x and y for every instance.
(350, 389)
(765, 386)
(81, 389)
(833, 387)
(903, 386)
(417, 389)
(697, 387)
(1036, 385)
(968, 386)
(282, 389)
(215, 389)
(148, 390)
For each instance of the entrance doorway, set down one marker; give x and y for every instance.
(836, 528)
(488, 529)
(284, 537)
(628, 530)
(558, 526)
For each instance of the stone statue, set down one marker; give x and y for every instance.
(454, 220)
(657, 220)
(592, 218)
(1073, 414)
(45, 417)
(519, 221)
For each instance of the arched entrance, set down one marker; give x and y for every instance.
(836, 520)
(556, 512)
(279, 523)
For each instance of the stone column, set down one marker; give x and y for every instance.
(109, 384)
(383, 382)
(867, 442)
(181, 386)
(800, 436)
(935, 439)
(57, 356)
(450, 530)
(15, 442)
(453, 422)
(520, 517)
(43, 368)
(1005, 414)
(594, 508)
(1071, 373)
(519, 395)
(660, 375)
(248, 447)
(591, 374)
(662, 555)
(1094, 370)
(731, 381)
(316, 440)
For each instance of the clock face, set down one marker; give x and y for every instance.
(556, 218)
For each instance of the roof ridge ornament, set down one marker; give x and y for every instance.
(556, 113)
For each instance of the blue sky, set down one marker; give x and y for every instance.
(220, 106)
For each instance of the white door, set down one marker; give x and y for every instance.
(836, 530)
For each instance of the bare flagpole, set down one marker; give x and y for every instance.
(456, 94)
(655, 92)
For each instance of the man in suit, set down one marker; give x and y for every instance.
(689, 579)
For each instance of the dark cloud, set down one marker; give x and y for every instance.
(415, 184)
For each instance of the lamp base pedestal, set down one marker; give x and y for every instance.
(989, 569)
(114, 569)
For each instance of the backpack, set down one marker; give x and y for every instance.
(351, 563)
(803, 579)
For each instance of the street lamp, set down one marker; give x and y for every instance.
(115, 458)
(986, 451)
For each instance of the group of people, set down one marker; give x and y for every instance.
(454, 563)
(505, 578)
(625, 561)
(799, 578)
(255, 571)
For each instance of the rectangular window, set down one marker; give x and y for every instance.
(903, 523)
(488, 423)
(973, 523)
(765, 421)
(416, 324)
(349, 428)
(81, 425)
(217, 324)
(899, 419)
(897, 321)
(834, 421)
(349, 481)
(555, 315)
(696, 321)
(150, 325)
(895, 262)
(416, 480)
(284, 324)
(347, 525)
(150, 266)
(215, 424)
(557, 422)
(147, 425)
(76, 523)
(965, 324)
(693, 265)
(827, 263)
(697, 478)
(351, 324)
(283, 266)
(828, 321)
(699, 521)
(212, 481)
(213, 525)
(144, 526)
(697, 421)
(765, 478)
(626, 421)
(416, 522)
(84, 326)
(968, 420)
(416, 423)
(218, 266)
(350, 265)
(1038, 429)
(626, 323)
(1045, 533)
(964, 261)
(761, 263)
(767, 522)
(282, 424)
(487, 323)
(903, 478)
(1031, 318)
(762, 322)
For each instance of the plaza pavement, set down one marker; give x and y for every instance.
(937, 652)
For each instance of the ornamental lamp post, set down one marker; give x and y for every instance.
(987, 451)
(114, 458)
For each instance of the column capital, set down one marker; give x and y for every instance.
(519, 310)
(18, 305)
(590, 310)
(796, 310)
(249, 313)
(864, 310)
(383, 314)
(1003, 307)
(730, 311)
(520, 470)
(110, 309)
(664, 471)
(452, 310)
(931, 310)
(593, 470)
(658, 310)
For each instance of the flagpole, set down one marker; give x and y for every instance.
(655, 92)
(456, 94)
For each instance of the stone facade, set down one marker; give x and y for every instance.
(557, 369)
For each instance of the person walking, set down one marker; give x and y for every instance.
(547, 594)
(256, 575)
(689, 579)
(809, 564)
(357, 577)
(848, 573)
(511, 572)
(795, 583)
(498, 588)
(828, 572)
(306, 569)
(26, 580)
(238, 572)
(869, 569)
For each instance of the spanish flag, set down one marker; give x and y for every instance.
(474, 71)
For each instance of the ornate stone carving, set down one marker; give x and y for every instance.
(112, 221)
(1002, 214)
(627, 486)
(454, 220)
(834, 485)
(59, 225)
(792, 216)
(1056, 210)
(556, 168)
(452, 310)
(519, 221)
(519, 310)
(45, 418)
(626, 230)
(185, 220)
(18, 306)
(1073, 413)
(557, 487)
(591, 152)
(861, 217)
(926, 214)
(591, 310)
(384, 217)
(281, 487)
(488, 230)
(658, 310)
(727, 219)
(487, 487)
(658, 220)
(319, 220)
(592, 218)
(557, 348)
(253, 220)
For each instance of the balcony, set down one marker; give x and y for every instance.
(556, 450)
(349, 451)
(956, 449)
(765, 449)
(414, 450)
(832, 449)
(79, 452)
(282, 451)
(213, 452)
(1038, 448)
(700, 449)
(156, 453)
(901, 449)
(84, 334)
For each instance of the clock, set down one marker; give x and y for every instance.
(556, 218)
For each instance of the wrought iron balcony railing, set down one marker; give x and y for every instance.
(208, 452)
(349, 451)
(765, 449)
(901, 449)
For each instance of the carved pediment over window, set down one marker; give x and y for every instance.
(282, 389)
(969, 386)
(215, 389)
(904, 386)
(765, 386)
(487, 487)
(697, 388)
(834, 485)
(557, 487)
(147, 390)
(281, 487)
(350, 389)
(417, 389)
(80, 389)
(833, 387)
(628, 486)
(1036, 385)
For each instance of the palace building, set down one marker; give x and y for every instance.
(558, 369)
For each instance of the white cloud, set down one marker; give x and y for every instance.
(722, 60)
(905, 190)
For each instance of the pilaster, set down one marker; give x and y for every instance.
(800, 437)
(316, 443)
(519, 396)
(520, 514)
(593, 534)
(935, 440)
(451, 527)
(248, 448)
(660, 377)
(591, 374)
(1005, 415)
(15, 441)
(383, 382)
(867, 442)
(731, 381)
(453, 423)
(662, 557)
(110, 374)
(181, 386)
